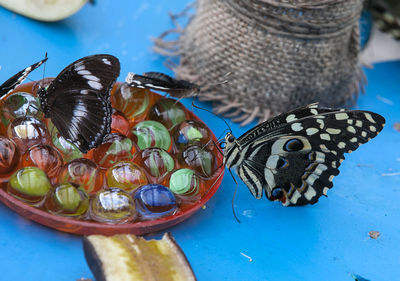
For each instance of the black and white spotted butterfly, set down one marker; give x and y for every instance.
(162, 82)
(78, 100)
(18, 78)
(295, 156)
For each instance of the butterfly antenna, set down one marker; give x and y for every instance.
(226, 123)
(44, 66)
(234, 195)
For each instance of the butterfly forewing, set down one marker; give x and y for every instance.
(78, 100)
(162, 82)
(296, 160)
(18, 78)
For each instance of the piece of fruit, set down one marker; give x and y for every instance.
(44, 10)
(127, 257)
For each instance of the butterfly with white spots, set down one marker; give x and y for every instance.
(162, 82)
(78, 100)
(294, 157)
(18, 78)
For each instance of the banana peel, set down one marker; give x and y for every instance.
(44, 10)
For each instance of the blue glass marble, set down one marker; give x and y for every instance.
(154, 201)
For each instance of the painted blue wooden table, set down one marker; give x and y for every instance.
(327, 241)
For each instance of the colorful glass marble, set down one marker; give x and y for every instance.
(20, 104)
(45, 157)
(69, 150)
(115, 148)
(68, 200)
(184, 182)
(132, 102)
(200, 159)
(9, 156)
(126, 175)
(81, 172)
(151, 133)
(157, 162)
(29, 184)
(154, 201)
(27, 131)
(169, 112)
(191, 132)
(112, 205)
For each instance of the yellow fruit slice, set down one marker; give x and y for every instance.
(44, 10)
(126, 257)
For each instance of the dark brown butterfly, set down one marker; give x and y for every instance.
(78, 100)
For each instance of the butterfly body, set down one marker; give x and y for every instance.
(78, 100)
(295, 156)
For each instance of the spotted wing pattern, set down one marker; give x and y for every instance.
(295, 156)
(162, 82)
(78, 100)
(18, 78)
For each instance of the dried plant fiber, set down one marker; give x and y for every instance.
(276, 54)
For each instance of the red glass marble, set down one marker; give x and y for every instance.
(82, 172)
(9, 157)
(132, 102)
(45, 157)
(114, 149)
(27, 132)
(119, 123)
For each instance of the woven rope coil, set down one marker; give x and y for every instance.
(280, 54)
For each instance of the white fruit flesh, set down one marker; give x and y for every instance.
(44, 10)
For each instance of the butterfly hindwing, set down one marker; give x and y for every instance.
(297, 160)
(78, 100)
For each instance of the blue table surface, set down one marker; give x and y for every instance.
(327, 241)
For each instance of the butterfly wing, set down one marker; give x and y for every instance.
(296, 161)
(162, 82)
(18, 78)
(78, 100)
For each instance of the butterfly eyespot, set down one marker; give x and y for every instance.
(282, 163)
(277, 193)
(293, 145)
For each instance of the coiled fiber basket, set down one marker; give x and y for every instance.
(276, 54)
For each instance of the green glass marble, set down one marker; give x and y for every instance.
(152, 134)
(157, 162)
(184, 182)
(132, 102)
(112, 205)
(68, 200)
(167, 111)
(29, 184)
(20, 104)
